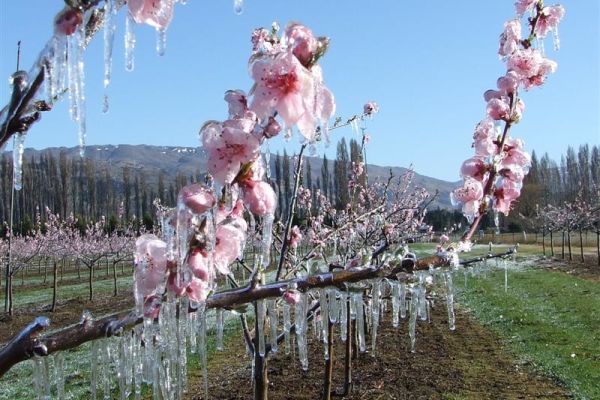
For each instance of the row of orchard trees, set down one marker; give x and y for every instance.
(90, 188)
(57, 241)
(577, 216)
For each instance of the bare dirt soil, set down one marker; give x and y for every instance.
(468, 363)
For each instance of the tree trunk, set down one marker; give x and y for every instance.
(91, 268)
(563, 245)
(45, 271)
(581, 245)
(261, 382)
(543, 241)
(569, 243)
(328, 362)
(598, 246)
(114, 264)
(551, 244)
(54, 285)
(9, 295)
(78, 269)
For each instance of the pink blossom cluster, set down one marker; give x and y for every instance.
(493, 177)
(156, 13)
(288, 80)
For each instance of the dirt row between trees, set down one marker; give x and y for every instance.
(469, 363)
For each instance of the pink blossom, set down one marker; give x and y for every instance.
(549, 19)
(472, 190)
(498, 109)
(523, 6)
(156, 13)
(530, 66)
(263, 41)
(295, 237)
(491, 94)
(228, 246)
(444, 239)
(199, 264)
(272, 129)
(259, 197)
(197, 198)
(237, 102)
(197, 290)
(510, 38)
(474, 168)
(518, 111)
(508, 83)
(150, 265)
(505, 194)
(298, 95)
(513, 172)
(291, 296)
(67, 21)
(484, 135)
(370, 108)
(515, 155)
(229, 145)
(303, 44)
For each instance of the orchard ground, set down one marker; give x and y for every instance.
(537, 340)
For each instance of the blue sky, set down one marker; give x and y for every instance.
(427, 64)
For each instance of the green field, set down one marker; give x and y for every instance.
(549, 320)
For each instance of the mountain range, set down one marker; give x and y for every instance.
(192, 161)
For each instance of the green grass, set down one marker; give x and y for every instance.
(25, 297)
(549, 319)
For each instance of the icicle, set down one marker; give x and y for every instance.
(137, 364)
(325, 318)
(219, 329)
(202, 345)
(334, 306)
(267, 161)
(344, 317)
(505, 265)
(376, 294)
(129, 42)
(555, 38)
(238, 6)
(260, 317)
(181, 366)
(395, 304)
(94, 373)
(273, 320)
(105, 377)
(41, 378)
(18, 149)
(422, 309)
(192, 323)
(360, 321)
(412, 321)
(75, 78)
(402, 295)
(267, 239)
(161, 41)
(121, 365)
(287, 324)
(301, 329)
(59, 375)
(450, 300)
(109, 38)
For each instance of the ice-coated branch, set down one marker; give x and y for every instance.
(28, 343)
(20, 120)
(291, 213)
